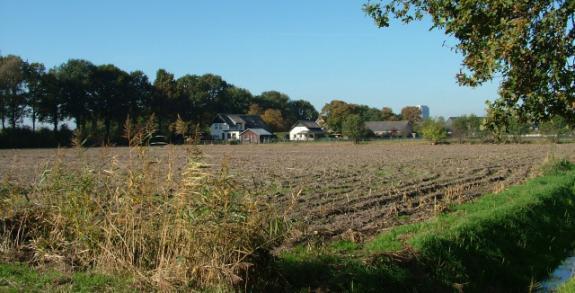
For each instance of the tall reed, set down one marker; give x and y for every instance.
(140, 218)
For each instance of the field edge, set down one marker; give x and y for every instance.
(501, 241)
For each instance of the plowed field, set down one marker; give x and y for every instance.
(344, 190)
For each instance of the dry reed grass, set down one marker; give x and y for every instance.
(167, 232)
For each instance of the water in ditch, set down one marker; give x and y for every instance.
(564, 272)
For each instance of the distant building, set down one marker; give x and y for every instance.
(228, 127)
(390, 128)
(305, 130)
(257, 135)
(424, 111)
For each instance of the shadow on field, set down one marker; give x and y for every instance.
(386, 272)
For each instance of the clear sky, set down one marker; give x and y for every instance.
(317, 50)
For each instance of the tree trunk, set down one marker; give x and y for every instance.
(94, 126)
(82, 125)
(13, 119)
(107, 125)
(55, 122)
(3, 116)
(33, 120)
(120, 130)
(79, 125)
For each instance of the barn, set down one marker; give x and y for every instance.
(390, 128)
(255, 135)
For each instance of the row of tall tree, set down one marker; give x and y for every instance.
(99, 98)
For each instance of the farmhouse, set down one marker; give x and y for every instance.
(229, 127)
(256, 135)
(305, 130)
(390, 128)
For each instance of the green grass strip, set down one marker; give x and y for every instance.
(505, 242)
(17, 277)
(568, 287)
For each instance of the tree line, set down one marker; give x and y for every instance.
(99, 99)
(335, 113)
(469, 128)
(500, 127)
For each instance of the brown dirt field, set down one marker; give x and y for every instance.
(345, 191)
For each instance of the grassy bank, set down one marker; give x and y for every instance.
(568, 287)
(500, 242)
(17, 277)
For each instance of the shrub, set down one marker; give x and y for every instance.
(354, 128)
(554, 129)
(25, 138)
(554, 166)
(433, 130)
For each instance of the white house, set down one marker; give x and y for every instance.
(305, 130)
(228, 127)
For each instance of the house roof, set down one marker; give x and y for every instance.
(311, 125)
(382, 126)
(249, 121)
(258, 131)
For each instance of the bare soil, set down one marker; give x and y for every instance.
(336, 190)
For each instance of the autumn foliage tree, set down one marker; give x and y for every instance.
(335, 112)
(388, 115)
(411, 113)
(290, 110)
(274, 119)
(255, 109)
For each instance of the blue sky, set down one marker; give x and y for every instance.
(315, 50)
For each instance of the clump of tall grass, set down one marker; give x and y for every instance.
(553, 165)
(139, 218)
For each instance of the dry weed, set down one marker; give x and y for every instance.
(196, 229)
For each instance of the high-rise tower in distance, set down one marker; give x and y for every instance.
(424, 111)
